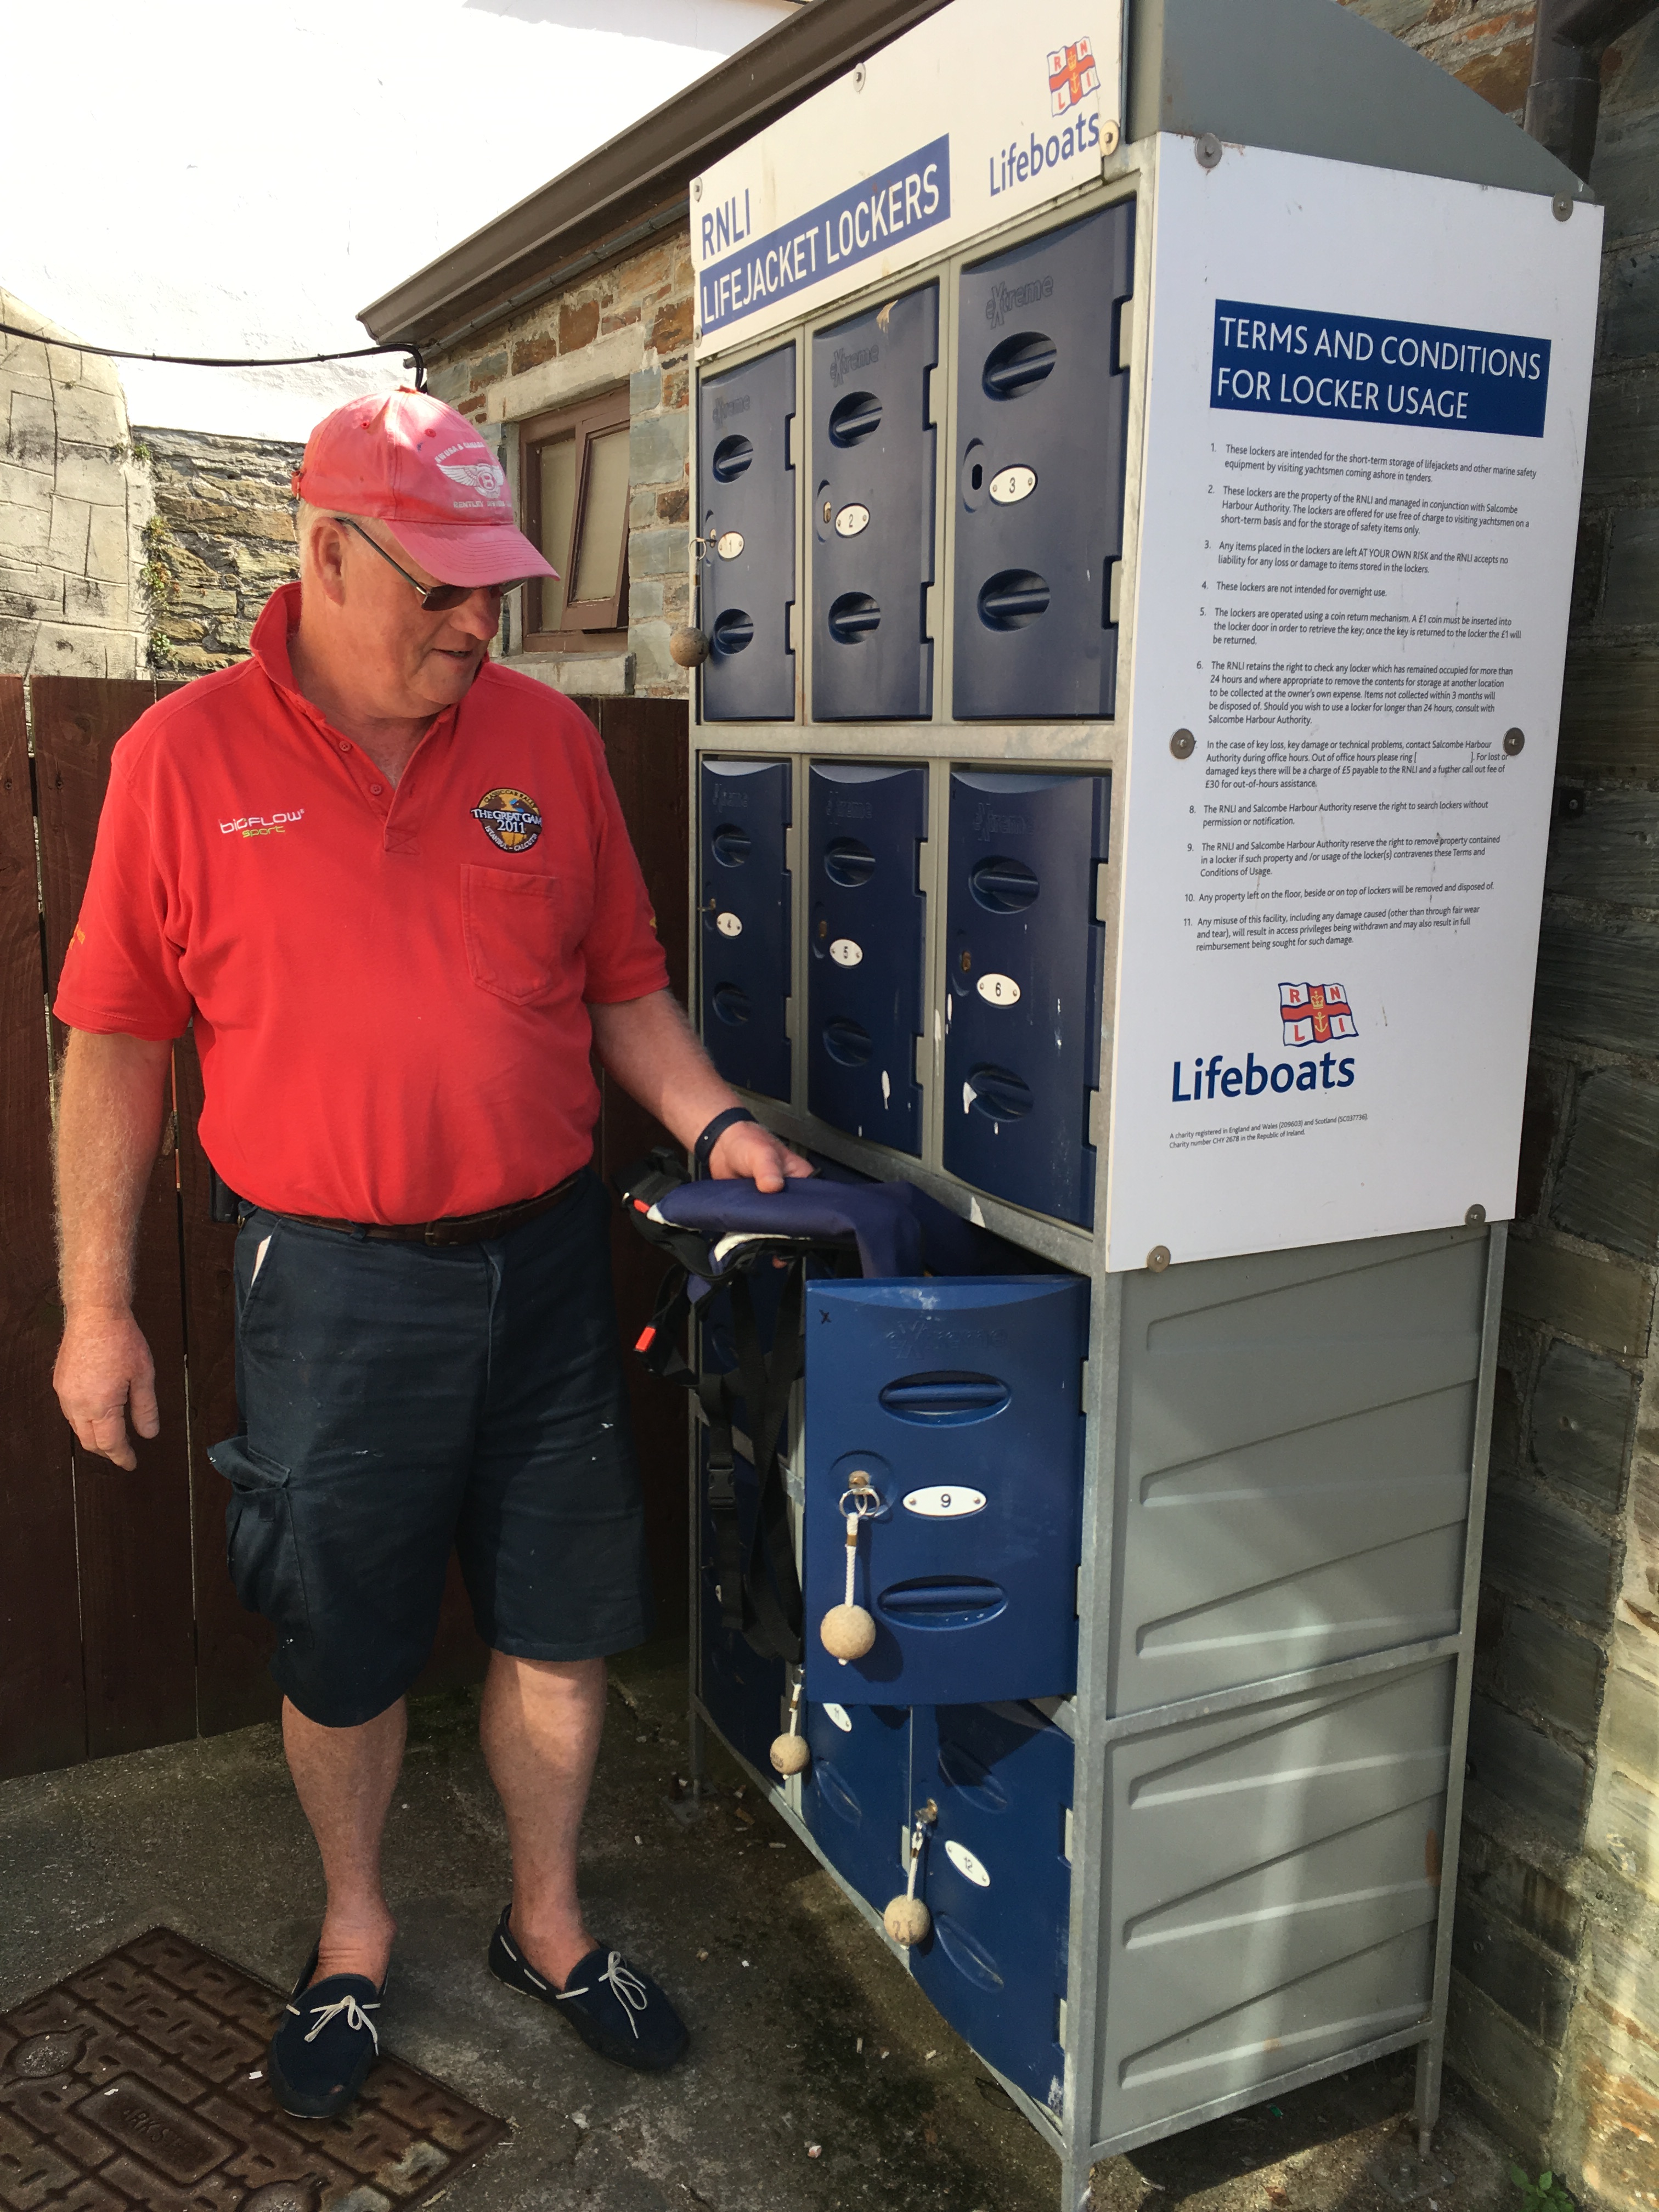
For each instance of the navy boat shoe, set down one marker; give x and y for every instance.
(612, 2005)
(325, 2044)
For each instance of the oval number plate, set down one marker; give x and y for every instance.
(729, 924)
(845, 953)
(964, 1862)
(1009, 486)
(729, 544)
(851, 519)
(840, 1717)
(943, 1504)
(998, 990)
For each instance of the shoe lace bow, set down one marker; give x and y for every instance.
(356, 2017)
(624, 1985)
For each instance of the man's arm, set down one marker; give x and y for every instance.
(647, 1045)
(110, 1102)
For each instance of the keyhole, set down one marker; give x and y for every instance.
(823, 929)
(967, 959)
(826, 510)
(978, 477)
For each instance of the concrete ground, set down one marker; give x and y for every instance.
(820, 2078)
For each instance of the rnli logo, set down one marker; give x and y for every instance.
(511, 820)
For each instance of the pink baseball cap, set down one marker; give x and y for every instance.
(411, 462)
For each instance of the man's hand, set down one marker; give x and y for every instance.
(747, 1149)
(104, 1368)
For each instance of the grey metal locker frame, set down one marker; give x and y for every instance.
(1307, 78)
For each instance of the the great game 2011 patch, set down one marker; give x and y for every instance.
(511, 818)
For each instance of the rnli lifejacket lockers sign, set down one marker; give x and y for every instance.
(980, 113)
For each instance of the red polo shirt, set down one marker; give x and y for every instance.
(389, 985)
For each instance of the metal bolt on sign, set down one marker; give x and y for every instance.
(1475, 1216)
(1206, 149)
(1158, 1258)
(1561, 207)
(1513, 741)
(1181, 744)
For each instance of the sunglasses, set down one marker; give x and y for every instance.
(436, 598)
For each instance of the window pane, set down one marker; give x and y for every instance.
(558, 464)
(604, 517)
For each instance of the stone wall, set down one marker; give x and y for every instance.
(219, 543)
(1555, 2009)
(629, 323)
(73, 506)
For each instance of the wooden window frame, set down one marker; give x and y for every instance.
(588, 625)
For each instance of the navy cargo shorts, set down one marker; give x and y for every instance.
(399, 1399)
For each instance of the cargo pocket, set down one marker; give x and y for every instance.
(518, 934)
(261, 1548)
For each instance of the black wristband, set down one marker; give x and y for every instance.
(712, 1135)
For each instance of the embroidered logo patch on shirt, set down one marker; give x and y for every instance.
(274, 824)
(511, 820)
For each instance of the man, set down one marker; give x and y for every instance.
(390, 884)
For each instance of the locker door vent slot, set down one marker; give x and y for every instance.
(854, 418)
(731, 1004)
(853, 617)
(733, 630)
(837, 1797)
(999, 1095)
(1003, 886)
(848, 863)
(732, 846)
(942, 1399)
(943, 1602)
(1017, 364)
(1012, 599)
(732, 457)
(962, 1770)
(970, 1959)
(843, 1040)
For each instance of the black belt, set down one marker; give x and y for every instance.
(453, 1228)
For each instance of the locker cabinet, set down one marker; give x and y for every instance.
(1042, 399)
(747, 523)
(999, 1882)
(1025, 956)
(855, 1795)
(959, 1399)
(868, 932)
(872, 511)
(743, 904)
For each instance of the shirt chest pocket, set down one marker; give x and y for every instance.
(522, 931)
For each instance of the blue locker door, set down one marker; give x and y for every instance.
(1022, 1016)
(743, 1691)
(743, 898)
(855, 1795)
(1042, 404)
(872, 511)
(868, 932)
(998, 1883)
(960, 1399)
(746, 518)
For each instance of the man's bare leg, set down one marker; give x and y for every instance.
(345, 1777)
(540, 1727)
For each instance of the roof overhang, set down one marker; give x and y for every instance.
(619, 197)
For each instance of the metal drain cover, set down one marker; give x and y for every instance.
(140, 2080)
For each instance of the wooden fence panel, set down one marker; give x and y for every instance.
(644, 744)
(42, 1712)
(133, 1530)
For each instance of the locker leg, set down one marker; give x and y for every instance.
(1076, 2180)
(698, 1739)
(1426, 2108)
